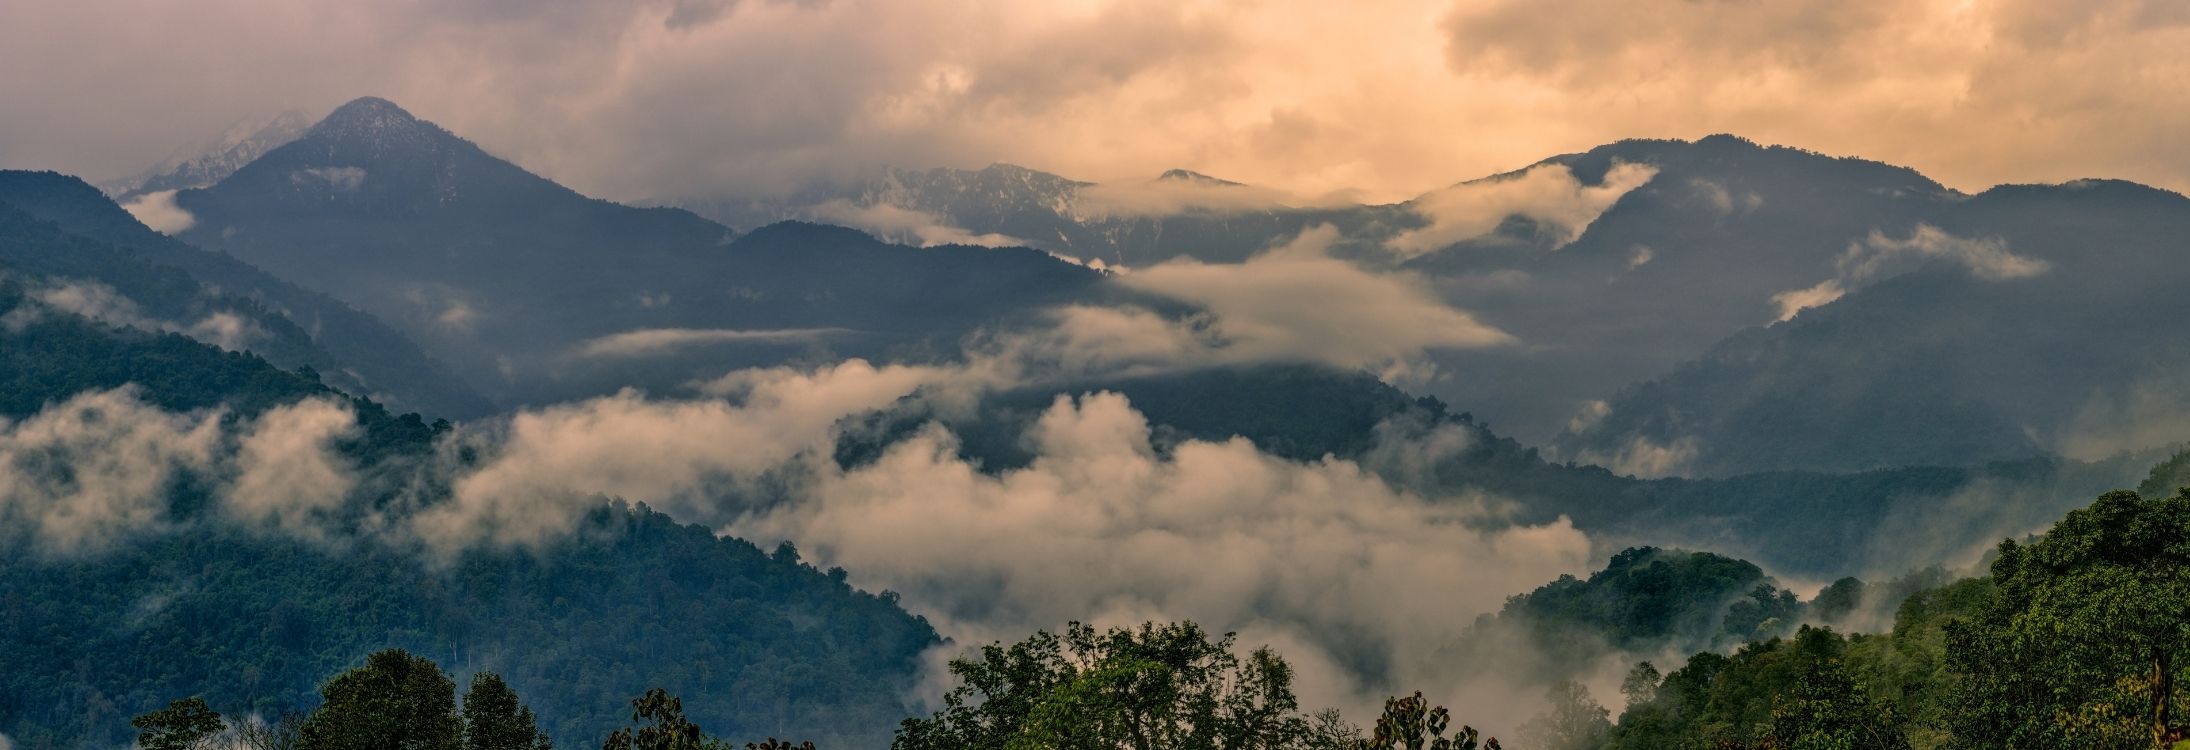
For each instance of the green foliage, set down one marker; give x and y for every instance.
(2083, 644)
(1411, 724)
(1574, 722)
(662, 726)
(495, 720)
(1648, 599)
(1827, 710)
(2167, 478)
(1838, 600)
(397, 701)
(253, 622)
(187, 724)
(1156, 686)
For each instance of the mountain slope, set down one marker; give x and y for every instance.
(294, 327)
(1953, 362)
(178, 593)
(199, 165)
(1802, 523)
(513, 278)
(1611, 265)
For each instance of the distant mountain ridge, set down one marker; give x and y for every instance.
(201, 164)
(2077, 351)
(1616, 267)
(296, 327)
(508, 276)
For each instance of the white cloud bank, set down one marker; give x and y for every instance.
(894, 223)
(1324, 557)
(1549, 194)
(656, 341)
(158, 211)
(1293, 302)
(1879, 256)
(97, 468)
(101, 303)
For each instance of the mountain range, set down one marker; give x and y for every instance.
(1641, 268)
(1717, 345)
(526, 286)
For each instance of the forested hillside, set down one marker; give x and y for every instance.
(64, 228)
(179, 590)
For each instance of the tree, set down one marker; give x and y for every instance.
(1641, 684)
(187, 724)
(669, 729)
(1574, 722)
(2082, 645)
(397, 701)
(1411, 724)
(495, 720)
(1827, 710)
(1155, 686)
(283, 733)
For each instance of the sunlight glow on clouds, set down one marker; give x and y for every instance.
(669, 97)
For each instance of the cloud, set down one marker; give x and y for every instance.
(103, 304)
(904, 225)
(658, 341)
(1879, 256)
(1797, 300)
(1549, 194)
(1646, 458)
(98, 468)
(225, 330)
(158, 211)
(1295, 302)
(672, 98)
(1171, 196)
(544, 468)
(288, 475)
(1322, 556)
(1986, 258)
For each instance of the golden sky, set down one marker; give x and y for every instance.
(1379, 99)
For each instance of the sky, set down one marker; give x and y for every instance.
(1372, 100)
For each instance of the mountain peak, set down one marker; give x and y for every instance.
(1188, 175)
(375, 118)
(370, 107)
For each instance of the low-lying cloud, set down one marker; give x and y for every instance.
(158, 211)
(898, 224)
(1322, 556)
(1548, 194)
(289, 477)
(1879, 256)
(1171, 196)
(1295, 302)
(98, 468)
(101, 303)
(658, 341)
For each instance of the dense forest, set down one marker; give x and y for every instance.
(2072, 640)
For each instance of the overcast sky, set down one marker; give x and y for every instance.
(637, 99)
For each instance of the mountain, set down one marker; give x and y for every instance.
(133, 580)
(1812, 524)
(1612, 265)
(200, 164)
(1649, 266)
(2031, 319)
(68, 230)
(517, 281)
(1179, 214)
